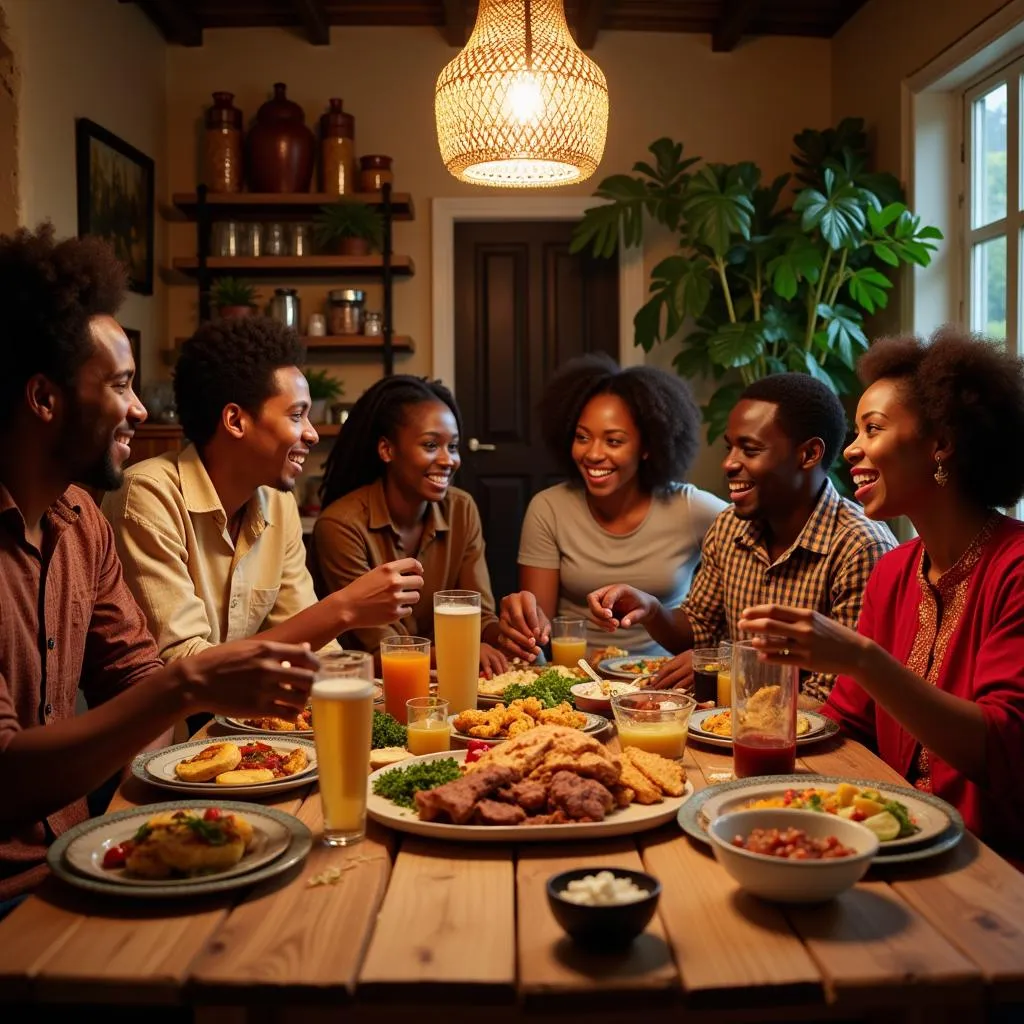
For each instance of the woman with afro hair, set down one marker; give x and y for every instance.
(387, 494)
(934, 677)
(625, 439)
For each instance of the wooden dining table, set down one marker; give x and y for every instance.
(414, 928)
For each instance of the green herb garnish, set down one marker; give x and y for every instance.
(551, 688)
(902, 815)
(388, 731)
(212, 832)
(399, 785)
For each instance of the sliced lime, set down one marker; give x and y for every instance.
(885, 825)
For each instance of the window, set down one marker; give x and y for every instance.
(992, 202)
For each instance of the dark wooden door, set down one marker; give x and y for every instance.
(523, 306)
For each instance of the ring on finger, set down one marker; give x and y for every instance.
(784, 652)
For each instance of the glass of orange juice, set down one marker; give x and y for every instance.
(342, 700)
(654, 720)
(405, 666)
(724, 695)
(429, 731)
(568, 640)
(457, 643)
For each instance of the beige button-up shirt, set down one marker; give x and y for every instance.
(196, 586)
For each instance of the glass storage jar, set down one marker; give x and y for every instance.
(345, 310)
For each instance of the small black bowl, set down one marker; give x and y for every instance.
(607, 927)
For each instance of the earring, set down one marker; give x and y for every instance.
(941, 473)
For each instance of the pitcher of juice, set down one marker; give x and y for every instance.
(568, 640)
(764, 699)
(405, 666)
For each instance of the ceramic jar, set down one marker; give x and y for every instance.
(280, 147)
(374, 171)
(222, 145)
(337, 151)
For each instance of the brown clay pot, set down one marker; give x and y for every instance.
(354, 247)
(234, 312)
(280, 147)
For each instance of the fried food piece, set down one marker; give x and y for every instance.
(493, 812)
(531, 706)
(455, 801)
(519, 725)
(562, 714)
(297, 761)
(245, 777)
(668, 776)
(209, 763)
(623, 794)
(580, 799)
(481, 724)
(645, 792)
(271, 723)
(524, 753)
(188, 843)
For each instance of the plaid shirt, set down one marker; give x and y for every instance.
(826, 569)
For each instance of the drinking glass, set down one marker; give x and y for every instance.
(405, 665)
(654, 720)
(342, 701)
(707, 664)
(457, 647)
(764, 698)
(568, 640)
(429, 731)
(724, 688)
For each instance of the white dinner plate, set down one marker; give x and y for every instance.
(821, 728)
(157, 768)
(940, 824)
(615, 667)
(620, 822)
(595, 724)
(279, 841)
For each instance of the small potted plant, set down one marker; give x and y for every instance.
(323, 389)
(232, 297)
(354, 227)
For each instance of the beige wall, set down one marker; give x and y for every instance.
(97, 59)
(742, 105)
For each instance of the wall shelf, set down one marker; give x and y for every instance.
(271, 205)
(295, 266)
(355, 344)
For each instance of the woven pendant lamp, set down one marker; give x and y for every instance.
(521, 105)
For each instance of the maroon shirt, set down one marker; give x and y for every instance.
(67, 620)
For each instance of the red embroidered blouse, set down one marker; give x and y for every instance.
(974, 649)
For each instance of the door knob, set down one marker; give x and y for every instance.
(476, 446)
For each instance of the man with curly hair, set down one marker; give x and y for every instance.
(788, 536)
(210, 537)
(69, 622)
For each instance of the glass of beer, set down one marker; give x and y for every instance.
(405, 666)
(764, 698)
(342, 701)
(429, 731)
(457, 647)
(568, 640)
(706, 665)
(724, 688)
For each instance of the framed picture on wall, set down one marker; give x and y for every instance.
(115, 198)
(135, 339)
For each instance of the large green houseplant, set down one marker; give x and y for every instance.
(766, 280)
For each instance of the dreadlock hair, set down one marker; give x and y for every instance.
(354, 461)
(660, 403)
(49, 291)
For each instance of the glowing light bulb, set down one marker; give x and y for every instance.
(525, 99)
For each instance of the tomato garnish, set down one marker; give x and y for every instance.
(212, 814)
(116, 856)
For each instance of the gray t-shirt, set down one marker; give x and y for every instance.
(659, 556)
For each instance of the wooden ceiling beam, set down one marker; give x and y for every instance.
(176, 21)
(313, 16)
(589, 22)
(454, 27)
(736, 19)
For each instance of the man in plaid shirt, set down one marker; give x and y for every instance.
(788, 538)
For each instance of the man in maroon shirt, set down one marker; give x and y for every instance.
(67, 619)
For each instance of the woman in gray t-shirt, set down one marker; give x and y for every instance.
(625, 438)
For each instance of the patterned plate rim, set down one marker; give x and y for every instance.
(296, 851)
(828, 729)
(688, 817)
(595, 724)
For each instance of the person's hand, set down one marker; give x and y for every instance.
(386, 594)
(619, 604)
(492, 661)
(249, 677)
(675, 674)
(524, 626)
(798, 636)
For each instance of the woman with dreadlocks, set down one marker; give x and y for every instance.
(387, 494)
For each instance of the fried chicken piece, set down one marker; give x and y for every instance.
(555, 818)
(645, 792)
(624, 796)
(530, 795)
(562, 714)
(667, 775)
(521, 725)
(528, 706)
(492, 812)
(524, 753)
(483, 725)
(580, 799)
(455, 801)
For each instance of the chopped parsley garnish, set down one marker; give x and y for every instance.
(388, 731)
(551, 688)
(399, 785)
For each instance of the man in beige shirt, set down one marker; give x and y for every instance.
(210, 538)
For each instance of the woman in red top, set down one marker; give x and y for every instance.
(934, 677)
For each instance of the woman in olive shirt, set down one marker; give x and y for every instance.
(387, 493)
